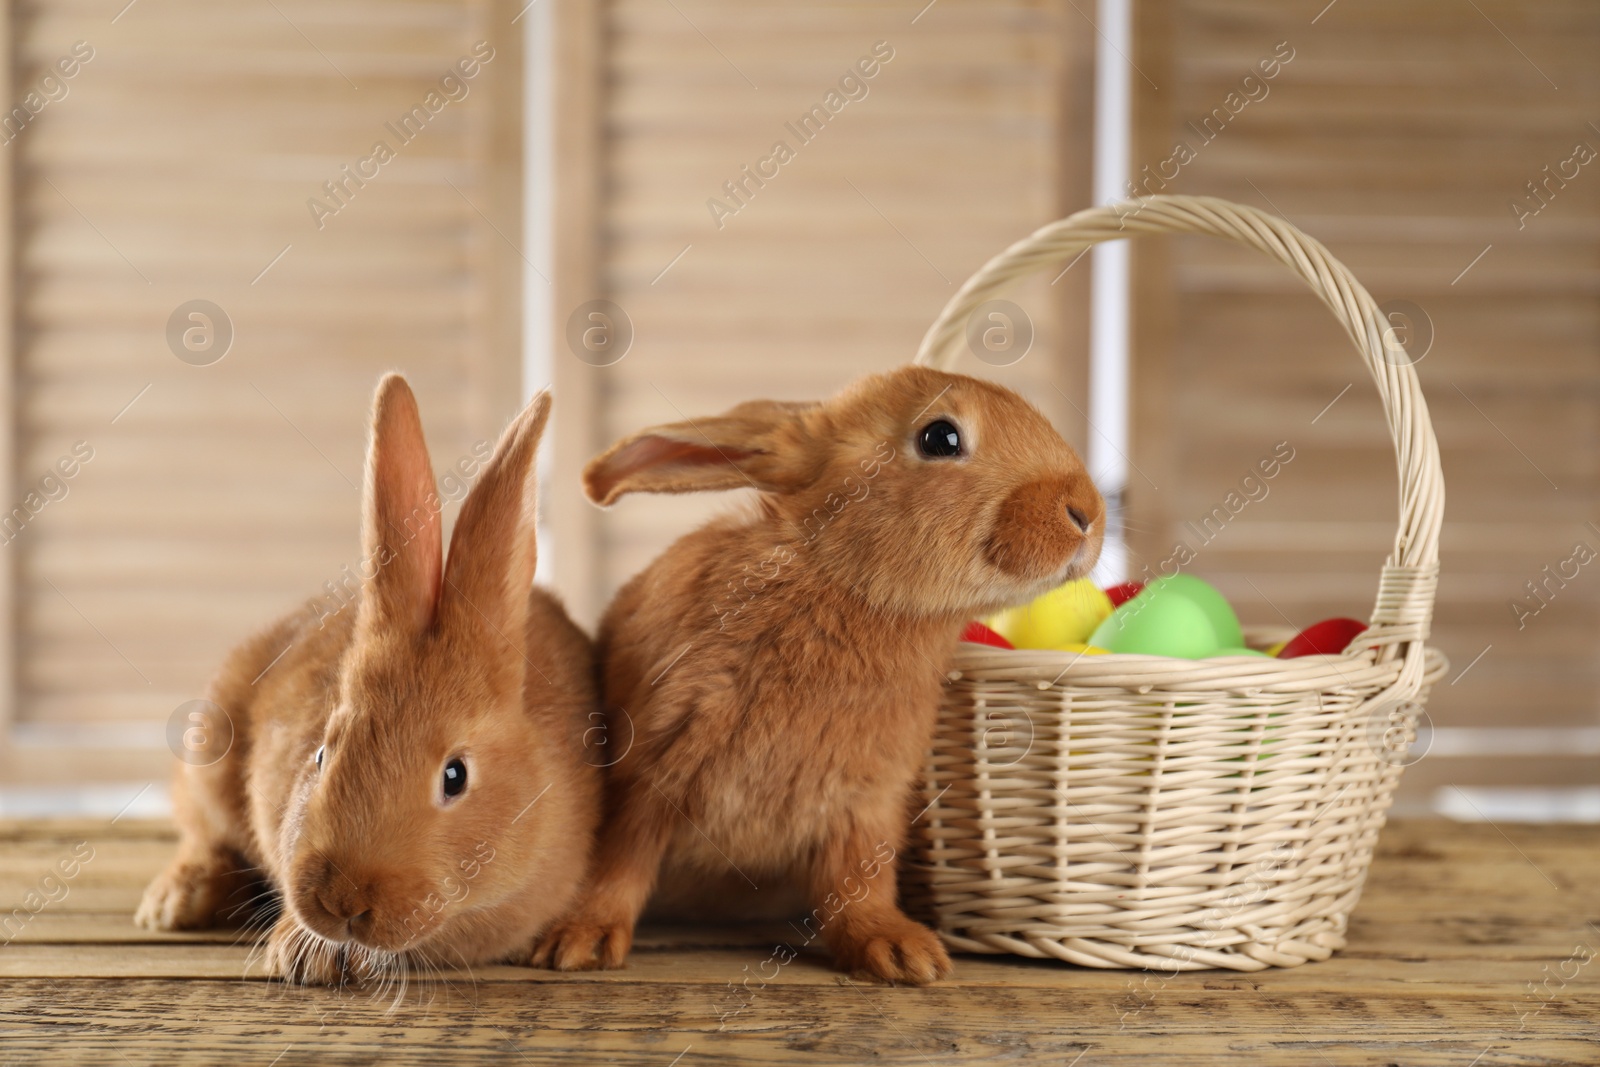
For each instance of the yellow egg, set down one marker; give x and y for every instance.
(1083, 649)
(1273, 650)
(1066, 615)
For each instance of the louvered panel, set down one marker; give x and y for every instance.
(837, 265)
(1398, 134)
(179, 166)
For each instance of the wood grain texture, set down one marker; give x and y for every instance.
(1458, 923)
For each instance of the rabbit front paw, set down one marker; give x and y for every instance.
(580, 944)
(185, 896)
(901, 952)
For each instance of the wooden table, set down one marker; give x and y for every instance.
(1470, 948)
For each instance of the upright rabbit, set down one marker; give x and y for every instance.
(407, 773)
(778, 672)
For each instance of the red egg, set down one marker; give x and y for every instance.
(978, 634)
(1121, 594)
(1328, 637)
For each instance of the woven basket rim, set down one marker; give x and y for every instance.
(1126, 670)
(969, 658)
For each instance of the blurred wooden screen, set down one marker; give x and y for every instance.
(184, 158)
(1403, 136)
(915, 144)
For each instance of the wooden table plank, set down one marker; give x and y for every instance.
(715, 966)
(1457, 924)
(630, 1023)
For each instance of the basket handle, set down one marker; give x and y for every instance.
(1404, 608)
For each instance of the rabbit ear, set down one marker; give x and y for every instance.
(494, 550)
(761, 444)
(400, 539)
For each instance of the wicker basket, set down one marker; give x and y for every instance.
(1140, 811)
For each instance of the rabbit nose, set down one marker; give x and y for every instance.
(343, 901)
(1039, 526)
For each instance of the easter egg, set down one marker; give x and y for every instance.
(1154, 624)
(1083, 649)
(978, 634)
(1328, 637)
(1273, 650)
(1239, 652)
(1178, 615)
(1067, 614)
(1121, 594)
(1213, 603)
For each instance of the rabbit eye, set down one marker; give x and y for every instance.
(939, 440)
(455, 778)
(318, 756)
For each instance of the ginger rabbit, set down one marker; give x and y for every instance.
(778, 671)
(408, 774)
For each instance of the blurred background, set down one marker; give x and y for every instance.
(226, 220)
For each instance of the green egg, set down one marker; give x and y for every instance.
(1179, 616)
(1213, 603)
(1158, 623)
(1240, 652)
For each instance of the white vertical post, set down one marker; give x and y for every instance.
(538, 177)
(1109, 282)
